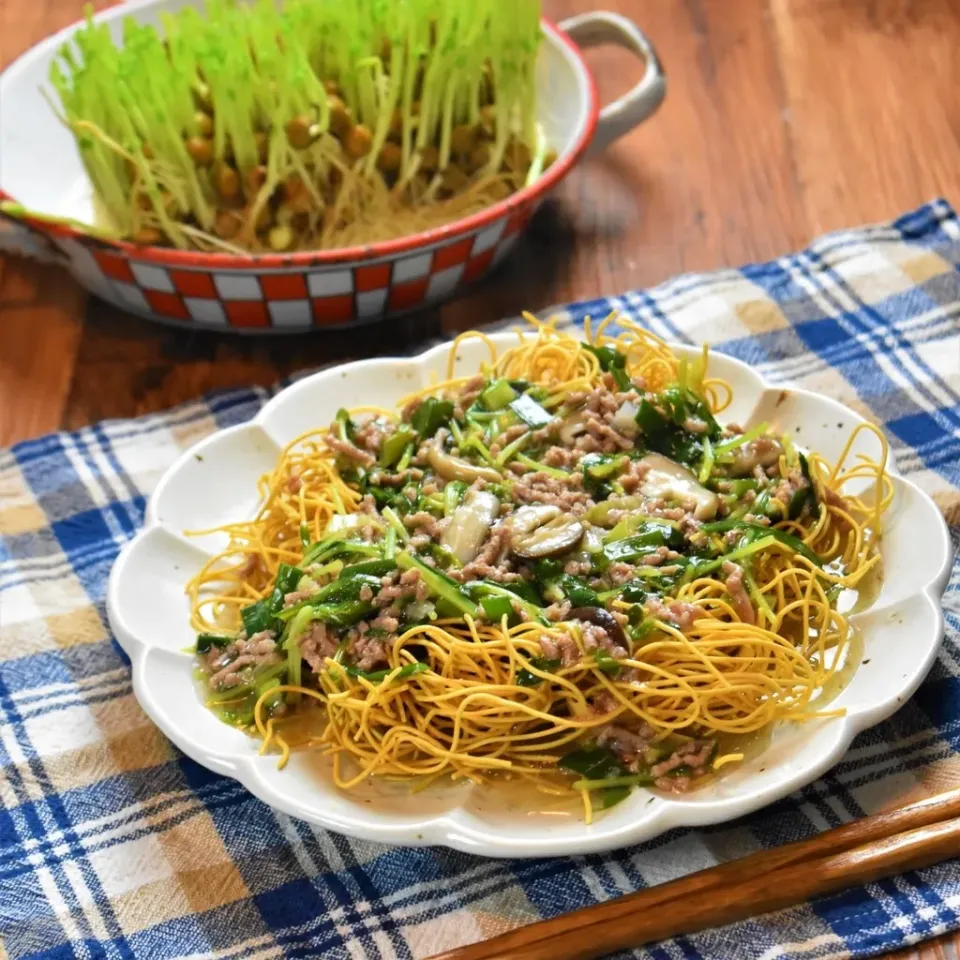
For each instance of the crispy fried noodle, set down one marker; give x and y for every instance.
(560, 568)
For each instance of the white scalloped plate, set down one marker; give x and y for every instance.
(215, 482)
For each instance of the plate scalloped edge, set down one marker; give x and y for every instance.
(146, 586)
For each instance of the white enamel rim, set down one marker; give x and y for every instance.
(905, 625)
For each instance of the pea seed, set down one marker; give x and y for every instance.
(518, 156)
(264, 218)
(298, 132)
(292, 187)
(341, 120)
(391, 156)
(201, 149)
(201, 96)
(280, 238)
(204, 123)
(226, 181)
(358, 142)
(429, 158)
(454, 179)
(263, 145)
(254, 179)
(226, 225)
(462, 139)
(147, 237)
(479, 156)
(396, 124)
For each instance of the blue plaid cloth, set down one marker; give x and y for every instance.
(114, 845)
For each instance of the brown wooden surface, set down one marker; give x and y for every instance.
(783, 118)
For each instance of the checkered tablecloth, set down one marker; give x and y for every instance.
(114, 845)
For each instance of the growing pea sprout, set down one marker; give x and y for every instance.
(318, 125)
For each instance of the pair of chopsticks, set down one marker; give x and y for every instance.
(861, 852)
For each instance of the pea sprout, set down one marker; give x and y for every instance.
(317, 124)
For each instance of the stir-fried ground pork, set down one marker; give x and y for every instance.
(317, 644)
(681, 615)
(568, 495)
(350, 451)
(739, 597)
(560, 647)
(227, 665)
(628, 745)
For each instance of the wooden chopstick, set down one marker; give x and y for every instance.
(860, 852)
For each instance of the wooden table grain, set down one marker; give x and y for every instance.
(783, 119)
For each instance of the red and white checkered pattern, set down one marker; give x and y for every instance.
(296, 298)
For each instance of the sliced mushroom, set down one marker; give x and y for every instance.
(455, 468)
(541, 530)
(573, 427)
(762, 452)
(470, 524)
(601, 618)
(670, 480)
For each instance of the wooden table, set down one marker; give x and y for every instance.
(783, 118)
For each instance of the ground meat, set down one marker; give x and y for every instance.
(409, 586)
(317, 644)
(587, 443)
(609, 440)
(603, 703)
(349, 450)
(289, 599)
(294, 483)
(694, 425)
(386, 620)
(557, 611)
(425, 523)
(561, 457)
(634, 475)
(628, 745)
(367, 652)
(412, 580)
(253, 564)
(471, 390)
(684, 615)
(620, 572)
(411, 408)
(492, 562)
(560, 647)
(568, 495)
(366, 593)
(506, 438)
(690, 526)
(547, 432)
(577, 568)
(789, 485)
(381, 479)
(595, 638)
(742, 606)
(369, 436)
(658, 556)
(673, 784)
(695, 755)
(225, 664)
